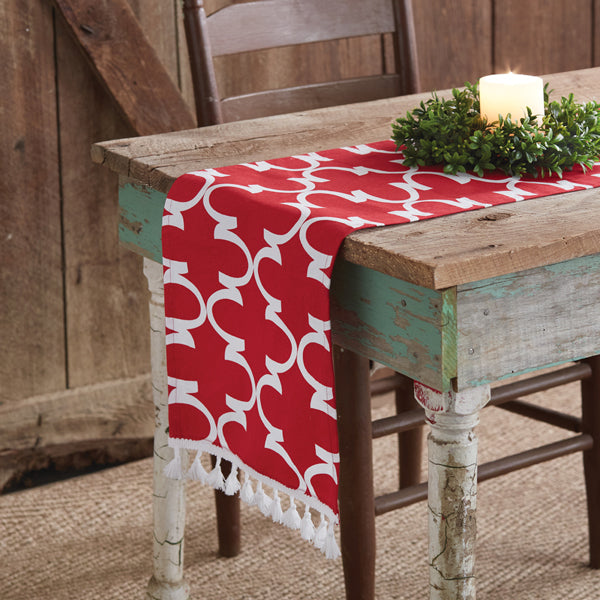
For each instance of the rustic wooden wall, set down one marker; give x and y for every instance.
(74, 364)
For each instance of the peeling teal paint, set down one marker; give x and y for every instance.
(140, 218)
(407, 327)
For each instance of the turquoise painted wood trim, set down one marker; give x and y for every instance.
(409, 328)
(522, 322)
(140, 218)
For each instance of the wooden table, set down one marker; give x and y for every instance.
(454, 303)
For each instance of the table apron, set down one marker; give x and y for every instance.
(527, 320)
(456, 338)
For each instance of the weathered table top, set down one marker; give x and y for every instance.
(440, 300)
(457, 249)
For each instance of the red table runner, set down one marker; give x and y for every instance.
(248, 253)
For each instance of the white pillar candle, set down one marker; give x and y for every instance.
(510, 93)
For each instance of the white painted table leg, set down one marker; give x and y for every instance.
(452, 490)
(167, 582)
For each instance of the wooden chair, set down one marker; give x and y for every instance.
(274, 23)
(265, 24)
(271, 23)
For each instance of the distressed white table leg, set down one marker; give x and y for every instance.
(452, 490)
(167, 582)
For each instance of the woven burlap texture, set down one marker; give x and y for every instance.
(91, 537)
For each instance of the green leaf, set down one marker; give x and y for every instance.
(451, 132)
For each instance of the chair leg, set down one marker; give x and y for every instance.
(590, 395)
(410, 446)
(228, 518)
(356, 496)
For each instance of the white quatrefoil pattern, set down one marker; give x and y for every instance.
(248, 253)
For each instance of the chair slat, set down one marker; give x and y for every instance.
(275, 23)
(319, 95)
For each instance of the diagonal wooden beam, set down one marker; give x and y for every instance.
(127, 65)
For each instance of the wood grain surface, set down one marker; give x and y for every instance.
(554, 36)
(31, 286)
(127, 64)
(437, 254)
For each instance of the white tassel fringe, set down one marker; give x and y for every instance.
(276, 510)
(291, 518)
(197, 470)
(307, 528)
(173, 469)
(215, 477)
(247, 493)
(323, 536)
(262, 501)
(331, 549)
(232, 483)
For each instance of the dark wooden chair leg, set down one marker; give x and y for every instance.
(228, 518)
(590, 393)
(356, 496)
(410, 446)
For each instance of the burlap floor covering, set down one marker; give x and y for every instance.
(90, 537)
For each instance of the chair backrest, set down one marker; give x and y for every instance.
(274, 23)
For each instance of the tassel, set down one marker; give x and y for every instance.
(331, 548)
(232, 484)
(262, 500)
(276, 511)
(307, 528)
(291, 518)
(197, 470)
(321, 534)
(215, 477)
(173, 469)
(247, 493)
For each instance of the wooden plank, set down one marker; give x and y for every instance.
(548, 38)
(157, 20)
(406, 327)
(16, 466)
(159, 160)
(31, 287)
(481, 248)
(454, 41)
(127, 64)
(538, 318)
(484, 243)
(110, 410)
(106, 294)
(316, 95)
(294, 22)
(298, 65)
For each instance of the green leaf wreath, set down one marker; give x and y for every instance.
(451, 132)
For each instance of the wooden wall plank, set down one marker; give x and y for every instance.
(107, 318)
(105, 292)
(31, 287)
(453, 41)
(539, 37)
